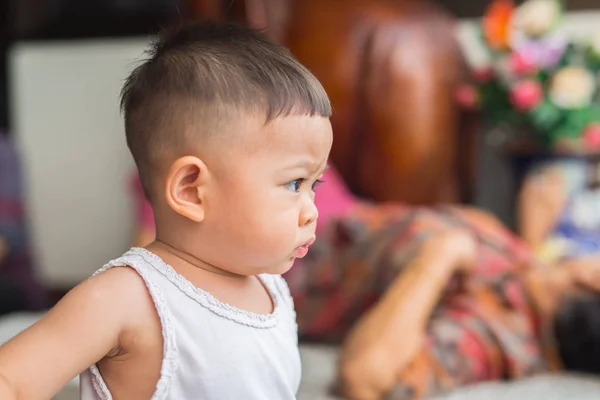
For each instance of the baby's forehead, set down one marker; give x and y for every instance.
(302, 139)
(295, 131)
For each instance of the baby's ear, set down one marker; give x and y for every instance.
(184, 187)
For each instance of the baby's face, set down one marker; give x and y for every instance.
(261, 211)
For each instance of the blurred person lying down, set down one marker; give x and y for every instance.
(428, 299)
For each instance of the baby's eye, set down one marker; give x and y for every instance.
(294, 186)
(317, 183)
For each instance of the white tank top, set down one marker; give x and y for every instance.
(213, 351)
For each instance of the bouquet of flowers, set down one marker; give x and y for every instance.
(531, 77)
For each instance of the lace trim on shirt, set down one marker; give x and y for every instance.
(169, 362)
(209, 302)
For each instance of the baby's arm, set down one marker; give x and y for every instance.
(82, 329)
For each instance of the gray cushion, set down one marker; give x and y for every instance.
(319, 363)
(547, 387)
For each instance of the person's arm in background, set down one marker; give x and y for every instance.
(540, 203)
(391, 335)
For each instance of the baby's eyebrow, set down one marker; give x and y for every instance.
(307, 164)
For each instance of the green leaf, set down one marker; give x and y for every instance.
(580, 118)
(543, 76)
(592, 59)
(570, 52)
(545, 116)
(574, 122)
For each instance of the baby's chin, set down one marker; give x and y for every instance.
(281, 268)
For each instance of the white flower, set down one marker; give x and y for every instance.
(537, 17)
(572, 87)
(475, 52)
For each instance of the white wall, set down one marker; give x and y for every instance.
(64, 101)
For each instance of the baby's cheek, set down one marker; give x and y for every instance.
(266, 229)
(277, 235)
(254, 234)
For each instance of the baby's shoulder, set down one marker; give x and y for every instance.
(123, 280)
(123, 290)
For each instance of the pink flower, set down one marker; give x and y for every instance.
(591, 135)
(521, 65)
(526, 95)
(467, 96)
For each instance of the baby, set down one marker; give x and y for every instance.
(230, 135)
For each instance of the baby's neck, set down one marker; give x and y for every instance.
(240, 291)
(190, 260)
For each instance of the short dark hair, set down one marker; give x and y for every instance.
(577, 333)
(202, 71)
